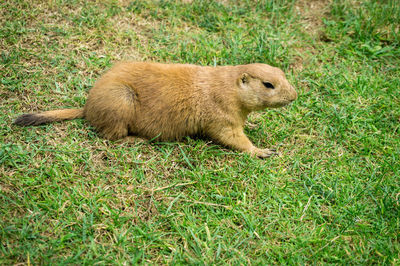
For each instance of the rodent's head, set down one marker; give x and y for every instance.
(262, 86)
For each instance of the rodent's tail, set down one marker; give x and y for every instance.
(47, 117)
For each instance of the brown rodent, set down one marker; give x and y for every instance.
(170, 101)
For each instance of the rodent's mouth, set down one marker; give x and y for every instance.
(280, 104)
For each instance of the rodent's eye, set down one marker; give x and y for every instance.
(268, 85)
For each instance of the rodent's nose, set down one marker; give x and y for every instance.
(292, 94)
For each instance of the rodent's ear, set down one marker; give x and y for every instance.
(244, 78)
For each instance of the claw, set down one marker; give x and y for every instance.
(265, 153)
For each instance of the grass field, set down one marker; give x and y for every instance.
(332, 196)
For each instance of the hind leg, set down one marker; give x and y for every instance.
(115, 131)
(111, 111)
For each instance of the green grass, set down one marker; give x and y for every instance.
(333, 196)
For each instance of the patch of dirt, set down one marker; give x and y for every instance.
(311, 13)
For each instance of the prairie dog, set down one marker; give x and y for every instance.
(170, 101)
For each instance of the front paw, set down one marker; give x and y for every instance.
(264, 153)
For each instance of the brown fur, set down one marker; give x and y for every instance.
(170, 101)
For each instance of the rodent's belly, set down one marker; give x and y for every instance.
(163, 128)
